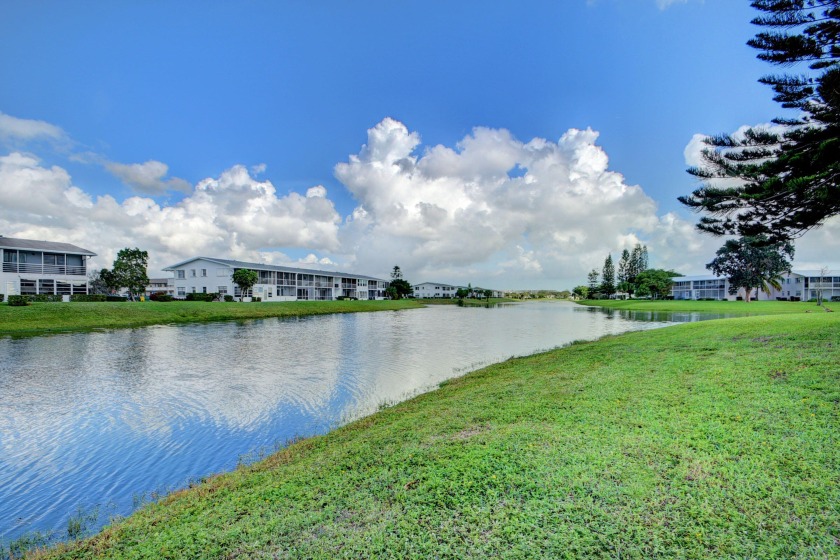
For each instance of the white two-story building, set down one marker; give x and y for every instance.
(797, 285)
(431, 290)
(33, 267)
(276, 283)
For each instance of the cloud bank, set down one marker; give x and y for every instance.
(491, 210)
(232, 216)
(497, 207)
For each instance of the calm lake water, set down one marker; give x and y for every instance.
(97, 422)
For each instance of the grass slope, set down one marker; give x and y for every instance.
(732, 307)
(41, 318)
(714, 439)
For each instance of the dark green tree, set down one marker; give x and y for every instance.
(608, 277)
(581, 292)
(655, 282)
(109, 281)
(779, 185)
(97, 283)
(129, 272)
(637, 262)
(752, 263)
(623, 265)
(399, 288)
(245, 278)
(592, 282)
(488, 294)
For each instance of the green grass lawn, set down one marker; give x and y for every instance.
(733, 307)
(706, 440)
(40, 318)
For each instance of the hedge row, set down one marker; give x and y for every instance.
(95, 297)
(201, 296)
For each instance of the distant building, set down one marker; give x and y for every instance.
(276, 283)
(161, 285)
(42, 267)
(433, 290)
(798, 285)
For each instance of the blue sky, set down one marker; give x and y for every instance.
(217, 128)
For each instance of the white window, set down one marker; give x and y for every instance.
(180, 274)
(182, 291)
(193, 288)
(203, 272)
(222, 290)
(192, 273)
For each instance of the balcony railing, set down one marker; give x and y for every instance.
(57, 269)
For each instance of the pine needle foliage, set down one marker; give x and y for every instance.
(781, 182)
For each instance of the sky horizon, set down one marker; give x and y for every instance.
(504, 146)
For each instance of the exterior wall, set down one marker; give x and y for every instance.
(828, 285)
(157, 285)
(431, 290)
(796, 286)
(27, 272)
(807, 284)
(206, 275)
(202, 276)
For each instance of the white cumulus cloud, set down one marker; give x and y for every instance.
(14, 128)
(147, 178)
(233, 215)
(492, 210)
(530, 213)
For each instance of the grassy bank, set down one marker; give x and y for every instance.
(467, 301)
(733, 307)
(49, 317)
(714, 439)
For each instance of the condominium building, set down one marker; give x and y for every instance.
(797, 285)
(160, 286)
(276, 283)
(33, 267)
(432, 290)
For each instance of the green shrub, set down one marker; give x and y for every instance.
(18, 301)
(88, 297)
(45, 298)
(160, 296)
(1, 297)
(833, 298)
(115, 298)
(256, 299)
(200, 296)
(228, 298)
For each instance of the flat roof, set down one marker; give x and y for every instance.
(274, 267)
(35, 245)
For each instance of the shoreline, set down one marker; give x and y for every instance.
(743, 308)
(492, 449)
(54, 318)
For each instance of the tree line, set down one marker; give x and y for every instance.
(632, 278)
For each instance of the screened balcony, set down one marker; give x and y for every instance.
(34, 262)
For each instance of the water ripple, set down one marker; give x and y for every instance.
(100, 418)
